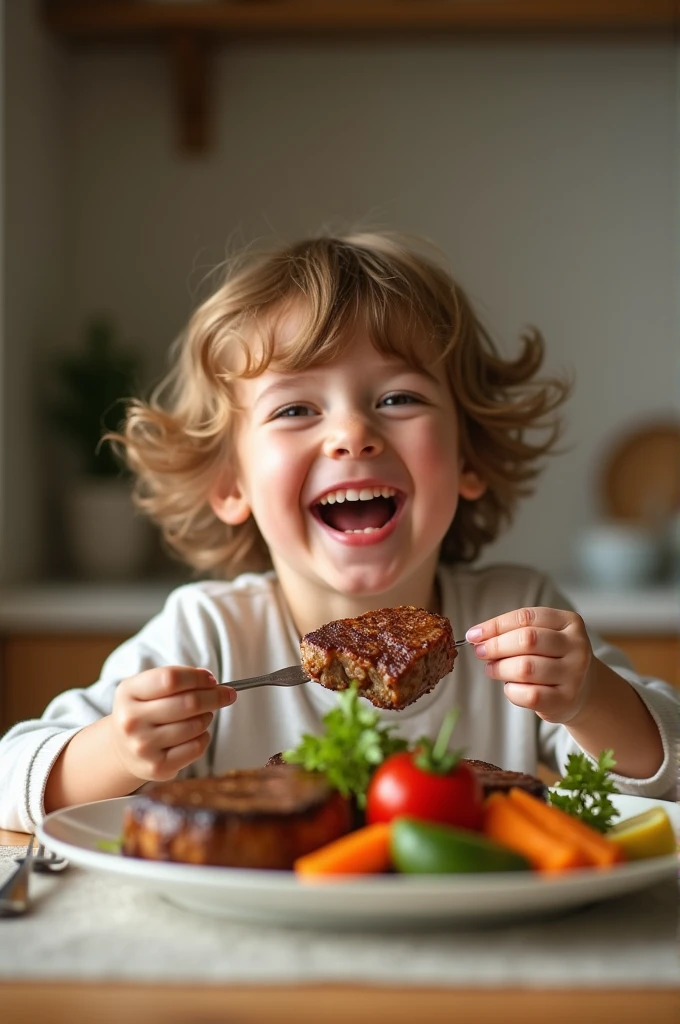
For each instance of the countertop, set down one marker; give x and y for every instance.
(124, 608)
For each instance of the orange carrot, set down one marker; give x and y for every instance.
(595, 847)
(363, 852)
(507, 824)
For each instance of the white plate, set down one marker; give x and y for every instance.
(279, 898)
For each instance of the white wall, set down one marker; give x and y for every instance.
(547, 173)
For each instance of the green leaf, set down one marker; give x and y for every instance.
(91, 387)
(350, 748)
(588, 788)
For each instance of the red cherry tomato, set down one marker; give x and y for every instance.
(400, 787)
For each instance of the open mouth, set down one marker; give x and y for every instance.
(364, 510)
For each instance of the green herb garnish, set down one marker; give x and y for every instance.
(351, 747)
(110, 845)
(589, 788)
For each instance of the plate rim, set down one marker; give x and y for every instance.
(161, 874)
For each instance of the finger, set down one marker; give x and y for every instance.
(177, 733)
(548, 618)
(176, 758)
(527, 640)
(170, 679)
(527, 669)
(185, 705)
(543, 700)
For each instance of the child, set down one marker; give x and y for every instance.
(338, 420)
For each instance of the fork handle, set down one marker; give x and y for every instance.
(292, 675)
(14, 891)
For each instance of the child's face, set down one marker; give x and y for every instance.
(364, 426)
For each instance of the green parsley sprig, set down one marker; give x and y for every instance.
(350, 748)
(589, 788)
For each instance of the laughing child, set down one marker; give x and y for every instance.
(338, 434)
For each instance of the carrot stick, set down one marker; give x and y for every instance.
(363, 852)
(507, 824)
(597, 850)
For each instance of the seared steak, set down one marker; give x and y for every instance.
(498, 780)
(260, 818)
(395, 654)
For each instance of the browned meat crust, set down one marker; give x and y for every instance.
(260, 818)
(498, 780)
(395, 654)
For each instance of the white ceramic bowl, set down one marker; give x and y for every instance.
(618, 555)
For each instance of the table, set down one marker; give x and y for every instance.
(70, 1001)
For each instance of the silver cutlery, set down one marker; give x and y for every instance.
(45, 862)
(292, 675)
(14, 891)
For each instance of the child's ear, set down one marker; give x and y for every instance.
(470, 484)
(228, 501)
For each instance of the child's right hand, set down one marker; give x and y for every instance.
(160, 719)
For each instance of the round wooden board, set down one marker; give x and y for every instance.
(641, 480)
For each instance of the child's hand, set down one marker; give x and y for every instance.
(160, 719)
(543, 654)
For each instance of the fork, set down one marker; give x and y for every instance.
(44, 861)
(14, 892)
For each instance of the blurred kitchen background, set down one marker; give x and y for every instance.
(143, 143)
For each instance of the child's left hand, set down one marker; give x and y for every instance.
(544, 656)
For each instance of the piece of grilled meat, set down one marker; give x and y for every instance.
(258, 818)
(499, 780)
(492, 778)
(395, 654)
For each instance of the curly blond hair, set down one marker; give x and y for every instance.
(180, 440)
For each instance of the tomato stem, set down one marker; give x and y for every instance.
(435, 757)
(444, 735)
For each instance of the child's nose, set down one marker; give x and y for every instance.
(353, 439)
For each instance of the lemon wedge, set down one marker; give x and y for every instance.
(649, 834)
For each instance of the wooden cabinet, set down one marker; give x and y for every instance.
(651, 655)
(36, 667)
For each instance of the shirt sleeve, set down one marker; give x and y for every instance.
(179, 635)
(660, 698)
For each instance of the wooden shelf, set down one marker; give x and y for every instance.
(89, 19)
(189, 29)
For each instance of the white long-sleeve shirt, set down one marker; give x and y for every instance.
(243, 628)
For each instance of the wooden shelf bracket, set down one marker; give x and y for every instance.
(188, 53)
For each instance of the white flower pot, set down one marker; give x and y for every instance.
(109, 539)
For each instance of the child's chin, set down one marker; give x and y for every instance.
(361, 583)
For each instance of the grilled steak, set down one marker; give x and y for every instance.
(498, 780)
(492, 778)
(260, 818)
(395, 654)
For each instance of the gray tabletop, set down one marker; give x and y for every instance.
(85, 925)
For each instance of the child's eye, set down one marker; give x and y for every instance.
(292, 411)
(400, 398)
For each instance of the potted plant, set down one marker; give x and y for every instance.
(107, 539)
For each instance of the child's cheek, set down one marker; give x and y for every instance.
(276, 482)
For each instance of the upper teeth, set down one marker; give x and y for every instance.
(349, 494)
